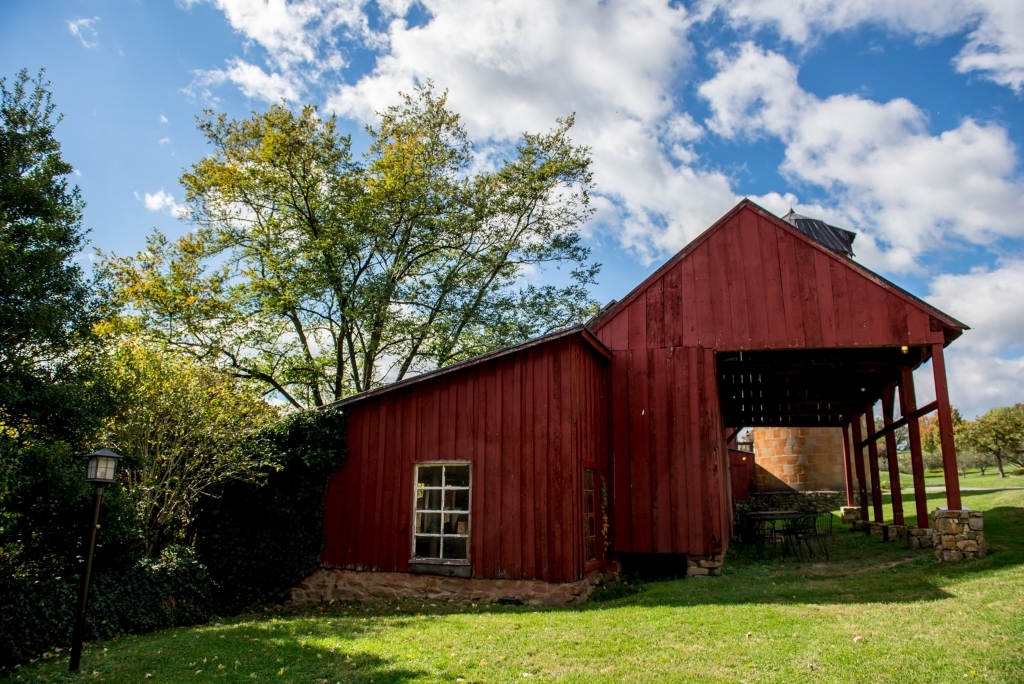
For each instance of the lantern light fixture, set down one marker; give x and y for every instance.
(102, 466)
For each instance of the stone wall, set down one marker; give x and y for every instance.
(806, 502)
(958, 534)
(801, 459)
(704, 566)
(330, 584)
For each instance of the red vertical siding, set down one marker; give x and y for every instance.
(752, 284)
(668, 494)
(524, 421)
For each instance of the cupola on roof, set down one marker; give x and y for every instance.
(836, 239)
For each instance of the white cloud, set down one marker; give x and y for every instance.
(163, 119)
(85, 31)
(300, 39)
(162, 201)
(989, 300)
(164, 141)
(514, 66)
(252, 81)
(887, 175)
(996, 46)
(995, 28)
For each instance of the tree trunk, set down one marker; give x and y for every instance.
(999, 464)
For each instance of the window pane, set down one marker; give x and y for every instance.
(591, 550)
(428, 499)
(456, 476)
(588, 502)
(429, 523)
(428, 547)
(429, 476)
(590, 526)
(455, 547)
(456, 523)
(588, 479)
(456, 500)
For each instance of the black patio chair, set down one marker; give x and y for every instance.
(759, 533)
(819, 532)
(793, 533)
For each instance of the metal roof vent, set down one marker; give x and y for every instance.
(836, 239)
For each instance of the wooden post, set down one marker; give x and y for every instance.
(950, 472)
(858, 459)
(846, 465)
(908, 405)
(890, 448)
(876, 484)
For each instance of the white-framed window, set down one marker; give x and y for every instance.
(441, 524)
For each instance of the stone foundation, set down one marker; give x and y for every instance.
(919, 538)
(849, 514)
(704, 566)
(330, 584)
(958, 534)
(805, 502)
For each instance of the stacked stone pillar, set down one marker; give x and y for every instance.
(958, 534)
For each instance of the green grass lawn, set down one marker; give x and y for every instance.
(972, 478)
(876, 613)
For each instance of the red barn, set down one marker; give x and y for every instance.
(530, 470)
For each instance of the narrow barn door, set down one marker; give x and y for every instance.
(593, 519)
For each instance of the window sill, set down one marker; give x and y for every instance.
(440, 566)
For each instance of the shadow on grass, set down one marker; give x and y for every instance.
(860, 568)
(281, 646)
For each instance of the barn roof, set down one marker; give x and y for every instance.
(580, 330)
(838, 240)
(953, 327)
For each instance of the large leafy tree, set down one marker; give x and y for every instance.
(319, 274)
(45, 301)
(997, 434)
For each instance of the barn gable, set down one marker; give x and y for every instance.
(752, 281)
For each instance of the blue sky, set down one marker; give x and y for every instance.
(901, 121)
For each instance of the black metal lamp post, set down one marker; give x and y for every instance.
(102, 467)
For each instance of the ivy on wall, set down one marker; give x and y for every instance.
(259, 539)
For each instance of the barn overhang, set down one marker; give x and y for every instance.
(808, 387)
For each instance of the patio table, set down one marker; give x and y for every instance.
(766, 530)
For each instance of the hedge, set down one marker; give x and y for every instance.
(38, 614)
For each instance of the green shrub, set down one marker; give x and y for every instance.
(1017, 472)
(259, 539)
(38, 614)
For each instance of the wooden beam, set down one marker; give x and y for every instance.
(896, 491)
(876, 483)
(908, 407)
(950, 471)
(919, 413)
(847, 472)
(858, 459)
